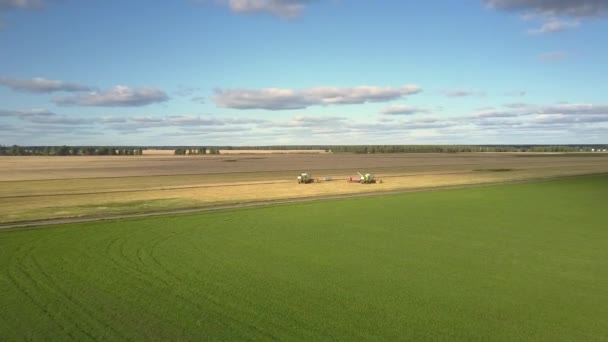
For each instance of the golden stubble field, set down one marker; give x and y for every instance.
(36, 188)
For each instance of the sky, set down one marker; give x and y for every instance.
(313, 72)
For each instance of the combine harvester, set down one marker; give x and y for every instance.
(304, 178)
(363, 179)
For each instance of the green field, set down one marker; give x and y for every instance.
(510, 262)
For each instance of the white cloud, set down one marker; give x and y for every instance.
(521, 123)
(119, 96)
(575, 108)
(283, 99)
(461, 92)
(550, 12)
(110, 119)
(20, 4)
(307, 121)
(198, 130)
(553, 26)
(403, 110)
(41, 85)
(191, 120)
(500, 113)
(58, 120)
(43, 116)
(573, 8)
(523, 109)
(26, 112)
(570, 119)
(136, 123)
(243, 121)
(6, 5)
(517, 92)
(146, 119)
(516, 105)
(429, 123)
(302, 121)
(281, 8)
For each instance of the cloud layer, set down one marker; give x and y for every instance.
(41, 85)
(281, 8)
(403, 110)
(550, 12)
(119, 96)
(283, 99)
(43, 116)
(20, 4)
(511, 123)
(553, 26)
(461, 92)
(553, 8)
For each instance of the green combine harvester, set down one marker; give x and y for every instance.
(304, 178)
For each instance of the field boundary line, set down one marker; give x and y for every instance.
(266, 203)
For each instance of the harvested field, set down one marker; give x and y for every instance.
(35, 188)
(150, 152)
(30, 168)
(272, 151)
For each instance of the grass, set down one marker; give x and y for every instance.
(511, 262)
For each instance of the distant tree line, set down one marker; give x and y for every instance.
(422, 148)
(362, 149)
(458, 148)
(69, 151)
(196, 150)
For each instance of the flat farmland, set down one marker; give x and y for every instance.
(36, 188)
(32, 168)
(513, 262)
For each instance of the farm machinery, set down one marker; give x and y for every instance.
(363, 179)
(305, 178)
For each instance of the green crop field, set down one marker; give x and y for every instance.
(511, 262)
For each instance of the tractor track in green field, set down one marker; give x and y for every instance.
(264, 203)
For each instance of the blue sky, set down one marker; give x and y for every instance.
(263, 72)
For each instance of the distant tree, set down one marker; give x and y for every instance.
(63, 151)
(16, 151)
